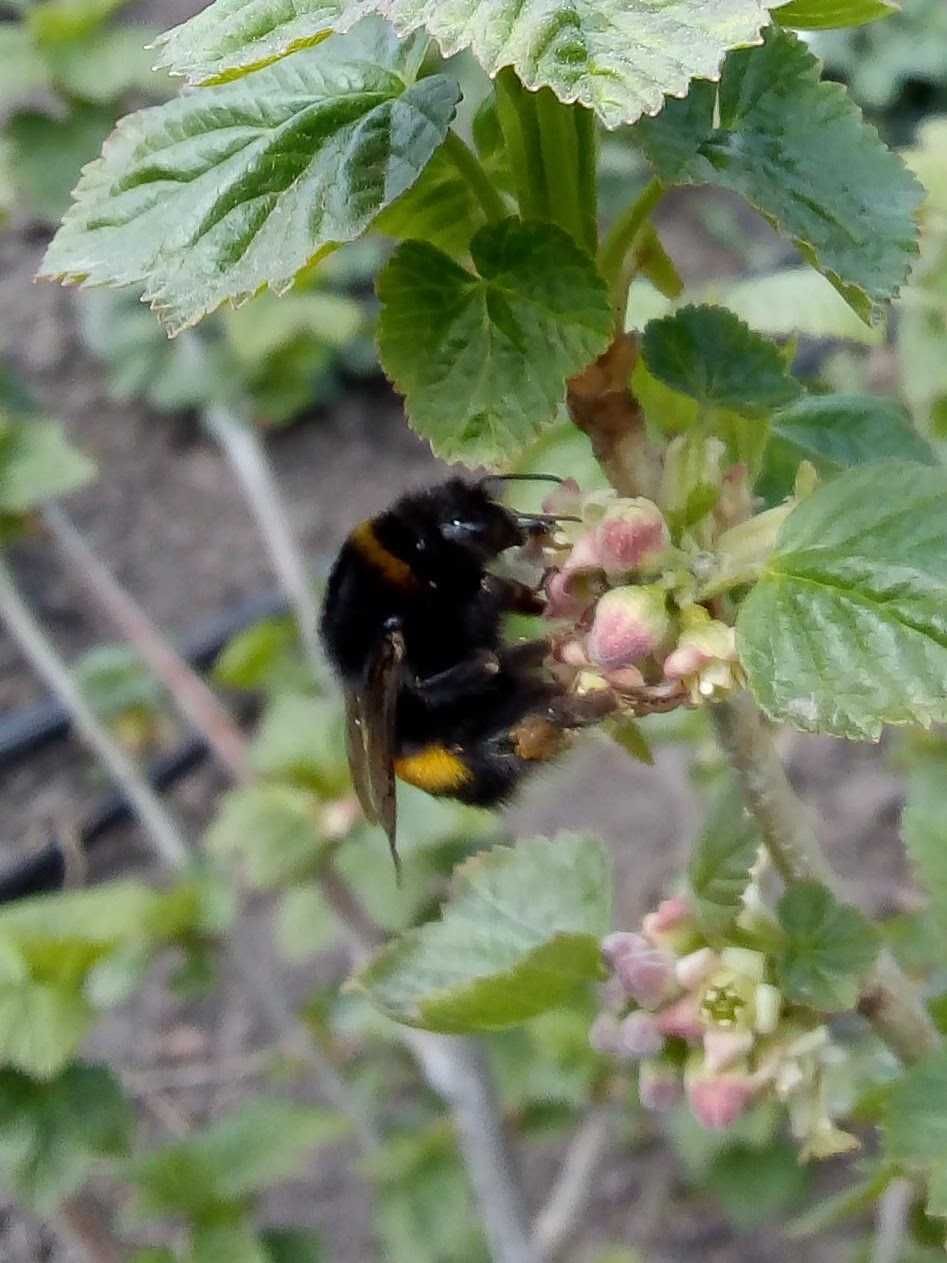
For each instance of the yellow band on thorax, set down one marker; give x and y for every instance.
(434, 769)
(364, 539)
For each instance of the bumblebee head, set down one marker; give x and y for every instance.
(473, 525)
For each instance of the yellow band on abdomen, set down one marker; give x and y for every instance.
(376, 554)
(434, 769)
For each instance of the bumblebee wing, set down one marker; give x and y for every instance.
(371, 717)
(355, 729)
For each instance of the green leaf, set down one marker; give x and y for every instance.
(52, 1133)
(719, 869)
(273, 829)
(836, 432)
(520, 933)
(440, 209)
(483, 359)
(257, 177)
(56, 22)
(266, 1140)
(710, 355)
(22, 68)
(915, 1124)
(106, 64)
(302, 739)
(41, 1026)
(619, 57)
(305, 923)
(924, 829)
(820, 15)
(37, 463)
(758, 1185)
(798, 151)
(114, 680)
(829, 948)
(227, 1242)
(847, 629)
(50, 152)
(292, 1245)
(266, 655)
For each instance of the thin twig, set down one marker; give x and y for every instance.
(457, 1070)
(194, 699)
(242, 446)
(890, 1000)
(199, 1074)
(891, 1222)
(159, 825)
(560, 1218)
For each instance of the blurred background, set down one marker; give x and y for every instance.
(167, 516)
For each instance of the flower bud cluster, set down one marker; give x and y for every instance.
(627, 590)
(706, 1025)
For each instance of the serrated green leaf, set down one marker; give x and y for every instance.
(440, 209)
(798, 151)
(37, 463)
(482, 359)
(257, 177)
(618, 58)
(924, 830)
(52, 1133)
(710, 355)
(719, 869)
(302, 739)
(820, 15)
(847, 629)
(837, 432)
(519, 935)
(273, 829)
(829, 948)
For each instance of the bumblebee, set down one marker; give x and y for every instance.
(412, 626)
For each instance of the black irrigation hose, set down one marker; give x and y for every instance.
(28, 730)
(46, 869)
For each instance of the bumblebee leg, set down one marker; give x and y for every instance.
(569, 710)
(512, 597)
(446, 685)
(528, 654)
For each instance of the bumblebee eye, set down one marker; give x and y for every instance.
(457, 530)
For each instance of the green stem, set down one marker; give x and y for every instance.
(470, 167)
(560, 153)
(623, 235)
(586, 131)
(516, 109)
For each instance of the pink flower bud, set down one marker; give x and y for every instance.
(681, 1020)
(614, 997)
(604, 1034)
(660, 1086)
(630, 623)
(572, 589)
(717, 1101)
(645, 971)
(633, 538)
(639, 1035)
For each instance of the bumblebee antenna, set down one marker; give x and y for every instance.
(521, 478)
(546, 518)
